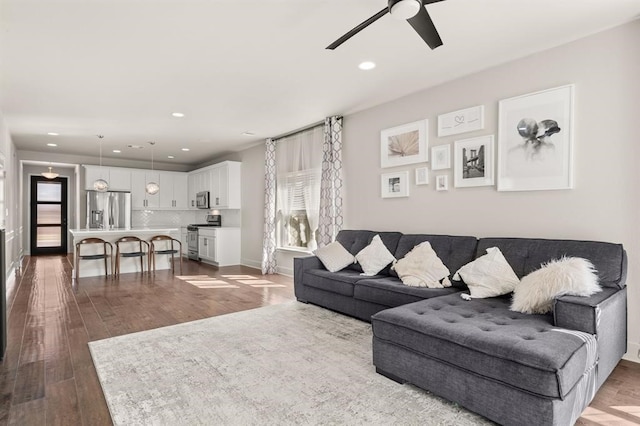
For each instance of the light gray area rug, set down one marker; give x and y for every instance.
(284, 364)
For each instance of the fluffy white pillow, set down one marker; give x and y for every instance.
(422, 267)
(566, 276)
(334, 257)
(489, 275)
(374, 257)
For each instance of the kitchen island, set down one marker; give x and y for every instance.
(92, 268)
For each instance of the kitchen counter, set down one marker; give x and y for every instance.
(92, 268)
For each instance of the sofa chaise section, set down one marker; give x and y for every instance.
(512, 368)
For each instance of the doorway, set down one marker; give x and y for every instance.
(48, 215)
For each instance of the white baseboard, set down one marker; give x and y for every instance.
(251, 263)
(285, 271)
(633, 350)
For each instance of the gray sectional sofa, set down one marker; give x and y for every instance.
(510, 367)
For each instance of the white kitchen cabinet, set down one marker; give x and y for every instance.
(219, 246)
(207, 247)
(140, 200)
(173, 191)
(118, 178)
(222, 180)
(184, 239)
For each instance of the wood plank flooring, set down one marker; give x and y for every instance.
(47, 376)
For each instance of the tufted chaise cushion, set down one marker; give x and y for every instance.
(484, 337)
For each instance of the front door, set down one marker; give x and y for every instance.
(48, 215)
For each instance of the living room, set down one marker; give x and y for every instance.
(601, 205)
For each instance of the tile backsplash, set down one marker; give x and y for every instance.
(160, 218)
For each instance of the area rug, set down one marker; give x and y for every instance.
(283, 364)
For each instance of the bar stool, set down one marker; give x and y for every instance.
(141, 253)
(95, 256)
(169, 249)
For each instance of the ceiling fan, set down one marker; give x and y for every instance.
(411, 10)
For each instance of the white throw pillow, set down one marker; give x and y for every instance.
(567, 276)
(422, 267)
(374, 257)
(489, 275)
(334, 257)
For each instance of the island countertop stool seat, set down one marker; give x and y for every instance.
(94, 256)
(139, 251)
(165, 245)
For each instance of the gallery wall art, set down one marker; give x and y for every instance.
(441, 157)
(473, 162)
(535, 141)
(405, 144)
(394, 185)
(461, 121)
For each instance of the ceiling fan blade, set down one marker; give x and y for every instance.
(359, 28)
(423, 25)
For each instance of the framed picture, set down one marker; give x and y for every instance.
(394, 185)
(461, 121)
(473, 162)
(441, 157)
(442, 183)
(406, 144)
(535, 141)
(422, 176)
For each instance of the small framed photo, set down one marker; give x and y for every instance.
(473, 162)
(441, 157)
(535, 141)
(394, 185)
(461, 121)
(442, 183)
(406, 144)
(422, 176)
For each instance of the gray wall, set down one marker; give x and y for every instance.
(604, 204)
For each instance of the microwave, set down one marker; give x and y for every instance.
(202, 200)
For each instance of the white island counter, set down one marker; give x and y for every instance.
(92, 268)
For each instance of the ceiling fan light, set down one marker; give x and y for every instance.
(405, 9)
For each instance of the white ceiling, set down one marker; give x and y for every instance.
(121, 67)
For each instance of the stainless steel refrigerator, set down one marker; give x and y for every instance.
(108, 210)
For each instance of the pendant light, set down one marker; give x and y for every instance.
(152, 188)
(50, 174)
(100, 184)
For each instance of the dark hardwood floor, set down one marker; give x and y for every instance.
(47, 376)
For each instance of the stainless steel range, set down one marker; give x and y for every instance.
(192, 234)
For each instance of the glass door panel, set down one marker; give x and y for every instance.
(49, 214)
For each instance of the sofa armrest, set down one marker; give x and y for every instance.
(603, 314)
(581, 313)
(301, 264)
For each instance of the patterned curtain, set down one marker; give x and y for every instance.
(331, 184)
(269, 265)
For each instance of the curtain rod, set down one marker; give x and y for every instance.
(300, 130)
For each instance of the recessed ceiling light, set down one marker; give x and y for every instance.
(367, 65)
(53, 134)
(248, 133)
(52, 144)
(178, 114)
(171, 156)
(185, 149)
(135, 146)
(117, 151)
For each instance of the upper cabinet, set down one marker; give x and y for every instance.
(173, 191)
(222, 180)
(119, 178)
(140, 200)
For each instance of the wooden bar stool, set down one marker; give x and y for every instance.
(96, 256)
(168, 249)
(141, 253)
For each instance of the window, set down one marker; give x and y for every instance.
(298, 163)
